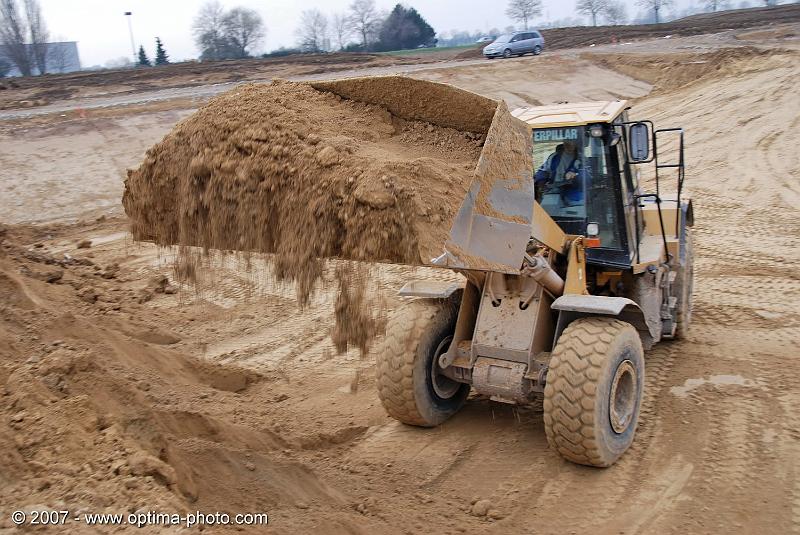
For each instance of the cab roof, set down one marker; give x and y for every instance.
(572, 114)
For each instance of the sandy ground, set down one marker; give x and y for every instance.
(307, 439)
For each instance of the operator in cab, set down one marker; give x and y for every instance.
(562, 172)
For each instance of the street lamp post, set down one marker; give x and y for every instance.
(130, 30)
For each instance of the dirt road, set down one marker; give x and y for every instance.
(101, 370)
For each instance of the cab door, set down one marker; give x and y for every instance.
(630, 188)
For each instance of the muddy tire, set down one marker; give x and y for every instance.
(406, 363)
(594, 391)
(685, 283)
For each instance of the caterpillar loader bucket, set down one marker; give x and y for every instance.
(493, 226)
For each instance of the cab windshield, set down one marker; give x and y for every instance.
(503, 38)
(573, 183)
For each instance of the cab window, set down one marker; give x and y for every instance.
(574, 183)
(558, 155)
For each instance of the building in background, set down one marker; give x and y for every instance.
(61, 57)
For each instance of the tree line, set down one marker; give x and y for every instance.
(236, 33)
(614, 12)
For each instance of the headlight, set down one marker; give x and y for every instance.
(592, 229)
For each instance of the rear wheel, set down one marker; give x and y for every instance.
(537, 50)
(411, 386)
(685, 287)
(507, 53)
(594, 390)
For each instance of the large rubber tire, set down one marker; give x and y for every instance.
(537, 50)
(415, 336)
(595, 359)
(507, 53)
(685, 283)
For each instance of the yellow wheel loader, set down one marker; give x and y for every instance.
(571, 273)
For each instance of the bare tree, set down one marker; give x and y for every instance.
(524, 10)
(313, 31)
(244, 29)
(341, 29)
(364, 19)
(655, 6)
(38, 34)
(13, 35)
(208, 30)
(591, 8)
(615, 13)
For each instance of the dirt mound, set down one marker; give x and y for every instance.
(92, 418)
(369, 169)
(668, 73)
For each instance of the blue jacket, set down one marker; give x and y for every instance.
(572, 193)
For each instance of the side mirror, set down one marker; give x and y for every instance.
(639, 142)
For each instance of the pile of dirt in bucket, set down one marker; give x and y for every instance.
(370, 169)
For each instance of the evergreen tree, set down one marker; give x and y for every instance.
(143, 59)
(405, 28)
(161, 54)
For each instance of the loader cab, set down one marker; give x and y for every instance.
(575, 183)
(583, 175)
(582, 184)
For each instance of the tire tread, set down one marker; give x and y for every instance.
(570, 393)
(395, 358)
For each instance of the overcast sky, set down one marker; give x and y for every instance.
(101, 30)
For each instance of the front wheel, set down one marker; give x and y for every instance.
(594, 391)
(411, 386)
(507, 53)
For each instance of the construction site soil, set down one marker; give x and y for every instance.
(36, 90)
(41, 90)
(123, 389)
